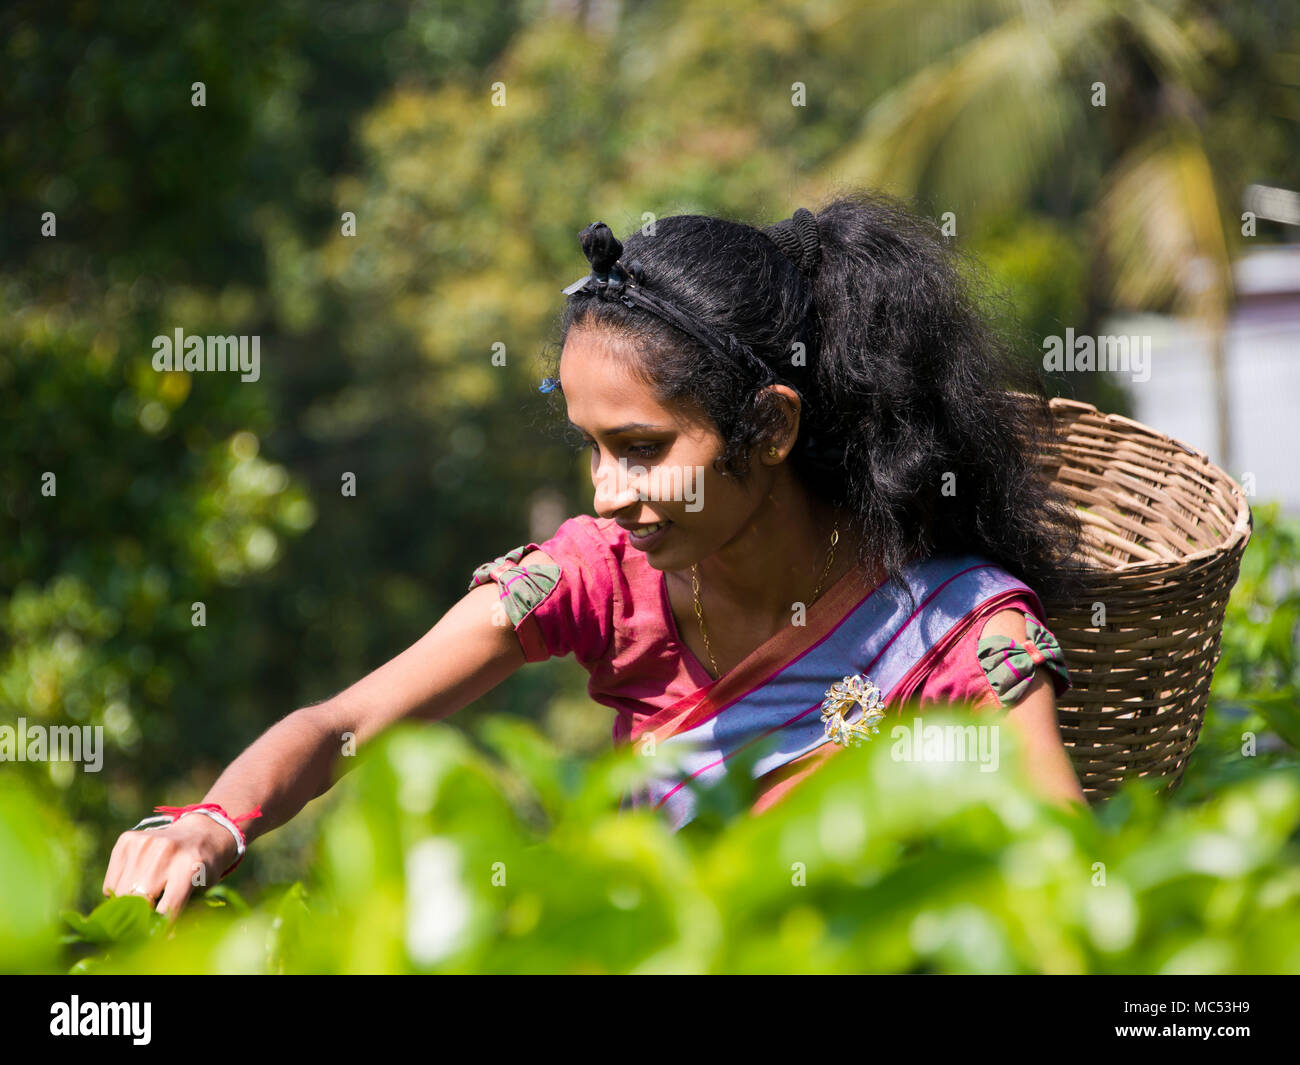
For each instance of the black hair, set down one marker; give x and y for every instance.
(903, 380)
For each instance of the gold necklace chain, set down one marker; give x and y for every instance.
(699, 610)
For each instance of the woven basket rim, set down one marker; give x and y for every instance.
(1243, 520)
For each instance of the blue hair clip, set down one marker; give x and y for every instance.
(548, 384)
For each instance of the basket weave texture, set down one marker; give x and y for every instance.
(1165, 530)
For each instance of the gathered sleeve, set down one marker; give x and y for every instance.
(1009, 665)
(562, 606)
(991, 671)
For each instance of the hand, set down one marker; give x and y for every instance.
(163, 863)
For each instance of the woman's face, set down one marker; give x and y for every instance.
(652, 464)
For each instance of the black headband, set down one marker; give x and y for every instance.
(611, 278)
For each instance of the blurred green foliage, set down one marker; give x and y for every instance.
(175, 489)
(437, 857)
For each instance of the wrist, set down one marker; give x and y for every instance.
(223, 844)
(229, 842)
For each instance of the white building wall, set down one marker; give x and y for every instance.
(1263, 369)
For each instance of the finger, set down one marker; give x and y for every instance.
(152, 871)
(116, 861)
(127, 862)
(143, 874)
(177, 891)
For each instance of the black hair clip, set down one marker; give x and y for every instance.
(611, 284)
(602, 249)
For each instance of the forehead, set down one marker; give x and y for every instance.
(600, 387)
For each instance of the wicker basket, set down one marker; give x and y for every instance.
(1165, 531)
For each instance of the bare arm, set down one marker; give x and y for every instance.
(1034, 720)
(461, 658)
(466, 654)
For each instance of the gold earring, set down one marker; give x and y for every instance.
(771, 450)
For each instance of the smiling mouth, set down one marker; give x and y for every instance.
(640, 532)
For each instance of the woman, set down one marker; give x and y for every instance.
(814, 475)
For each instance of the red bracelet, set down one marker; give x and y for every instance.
(213, 810)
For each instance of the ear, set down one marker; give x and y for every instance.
(789, 408)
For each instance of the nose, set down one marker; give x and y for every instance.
(617, 488)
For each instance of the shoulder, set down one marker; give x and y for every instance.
(1017, 653)
(1007, 621)
(581, 546)
(604, 534)
(562, 594)
(997, 653)
(584, 542)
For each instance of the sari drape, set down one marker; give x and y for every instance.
(769, 704)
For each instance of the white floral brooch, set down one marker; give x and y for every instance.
(841, 697)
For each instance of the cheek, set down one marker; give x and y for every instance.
(718, 501)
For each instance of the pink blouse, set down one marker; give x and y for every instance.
(610, 609)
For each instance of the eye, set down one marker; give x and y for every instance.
(641, 451)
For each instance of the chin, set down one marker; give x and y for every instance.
(663, 561)
(674, 558)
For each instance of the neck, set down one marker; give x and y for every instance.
(779, 556)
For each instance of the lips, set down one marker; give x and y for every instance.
(647, 530)
(644, 534)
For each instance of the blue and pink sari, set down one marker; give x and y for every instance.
(600, 600)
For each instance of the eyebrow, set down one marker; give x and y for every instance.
(625, 428)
